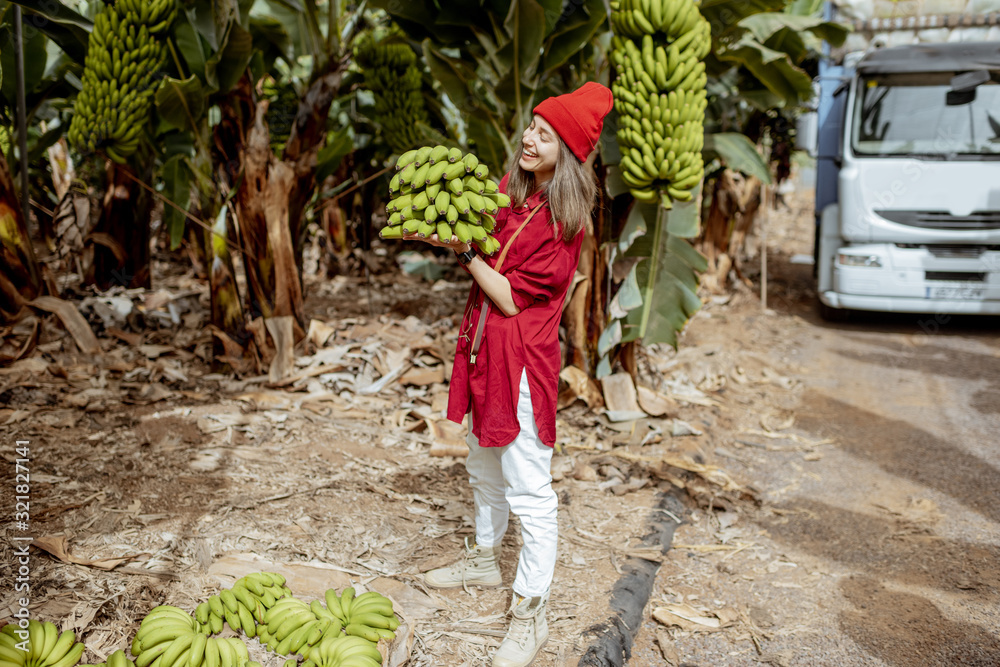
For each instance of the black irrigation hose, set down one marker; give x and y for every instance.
(611, 641)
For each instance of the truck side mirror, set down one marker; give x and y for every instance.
(956, 98)
(969, 81)
(963, 87)
(807, 132)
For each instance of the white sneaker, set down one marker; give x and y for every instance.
(479, 567)
(526, 635)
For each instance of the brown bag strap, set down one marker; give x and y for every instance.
(481, 326)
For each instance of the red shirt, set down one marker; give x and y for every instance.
(540, 267)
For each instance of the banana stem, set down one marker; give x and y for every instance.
(653, 268)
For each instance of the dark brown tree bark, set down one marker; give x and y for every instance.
(304, 143)
(119, 253)
(19, 276)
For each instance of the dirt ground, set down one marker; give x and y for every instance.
(837, 483)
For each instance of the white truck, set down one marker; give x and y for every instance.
(908, 162)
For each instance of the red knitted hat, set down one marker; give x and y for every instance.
(578, 116)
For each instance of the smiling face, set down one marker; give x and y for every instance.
(539, 150)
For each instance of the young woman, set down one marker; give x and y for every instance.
(506, 372)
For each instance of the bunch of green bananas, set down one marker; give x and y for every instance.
(46, 646)
(368, 615)
(244, 605)
(292, 626)
(161, 626)
(437, 190)
(658, 48)
(117, 659)
(124, 53)
(169, 637)
(344, 651)
(392, 75)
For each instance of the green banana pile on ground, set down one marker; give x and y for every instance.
(117, 659)
(157, 633)
(46, 646)
(291, 626)
(369, 615)
(244, 605)
(344, 652)
(170, 637)
(345, 633)
(124, 53)
(438, 190)
(658, 48)
(392, 75)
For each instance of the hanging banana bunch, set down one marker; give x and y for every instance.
(658, 47)
(392, 75)
(124, 53)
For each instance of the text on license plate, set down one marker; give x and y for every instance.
(956, 292)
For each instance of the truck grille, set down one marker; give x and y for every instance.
(943, 219)
(956, 276)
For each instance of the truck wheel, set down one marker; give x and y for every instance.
(831, 314)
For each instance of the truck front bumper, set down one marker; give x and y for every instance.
(925, 279)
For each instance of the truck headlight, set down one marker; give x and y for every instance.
(859, 260)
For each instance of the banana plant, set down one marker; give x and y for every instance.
(54, 39)
(497, 61)
(763, 53)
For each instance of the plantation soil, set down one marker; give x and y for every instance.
(846, 515)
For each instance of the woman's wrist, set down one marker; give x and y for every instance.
(465, 256)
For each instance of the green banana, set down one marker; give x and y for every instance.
(442, 202)
(444, 233)
(436, 172)
(197, 657)
(333, 604)
(247, 622)
(363, 631)
(438, 154)
(420, 175)
(460, 202)
(406, 158)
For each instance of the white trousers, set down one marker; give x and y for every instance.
(517, 478)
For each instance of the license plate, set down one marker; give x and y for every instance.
(962, 292)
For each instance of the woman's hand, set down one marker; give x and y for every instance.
(453, 243)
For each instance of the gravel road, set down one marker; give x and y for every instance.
(875, 541)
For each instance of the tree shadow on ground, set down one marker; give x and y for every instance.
(904, 450)
(888, 548)
(905, 629)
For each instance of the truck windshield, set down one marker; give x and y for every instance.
(908, 115)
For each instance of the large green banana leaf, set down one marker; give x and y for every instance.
(770, 39)
(738, 153)
(659, 293)
(497, 61)
(60, 23)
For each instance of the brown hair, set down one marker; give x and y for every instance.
(571, 192)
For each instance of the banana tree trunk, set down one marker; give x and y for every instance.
(273, 194)
(228, 322)
(121, 237)
(242, 140)
(307, 137)
(19, 276)
(586, 314)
